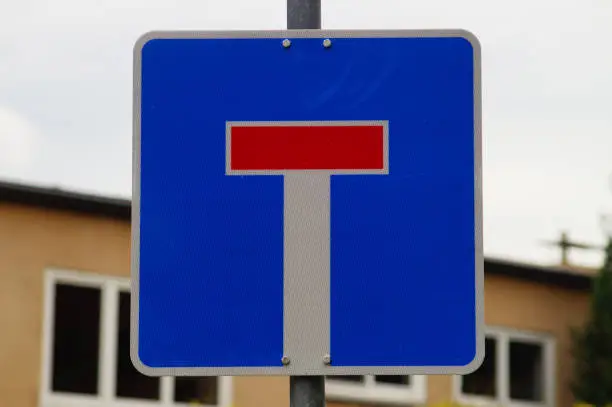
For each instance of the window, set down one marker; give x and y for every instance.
(518, 368)
(376, 389)
(87, 351)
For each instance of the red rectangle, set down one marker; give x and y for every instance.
(280, 147)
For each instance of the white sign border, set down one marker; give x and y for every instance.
(324, 369)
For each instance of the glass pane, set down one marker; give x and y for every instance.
(76, 339)
(130, 382)
(354, 379)
(483, 381)
(196, 390)
(526, 371)
(399, 380)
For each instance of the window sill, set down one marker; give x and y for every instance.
(379, 394)
(75, 400)
(476, 401)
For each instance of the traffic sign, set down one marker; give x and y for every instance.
(307, 203)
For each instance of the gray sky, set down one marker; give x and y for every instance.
(65, 98)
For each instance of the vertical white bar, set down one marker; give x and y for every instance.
(307, 270)
(166, 390)
(225, 390)
(108, 340)
(503, 368)
(550, 372)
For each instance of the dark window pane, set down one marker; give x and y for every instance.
(483, 381)
(76, 339)
(400, 380)
(130, 382)
(355, 379)
(526, 371)
(202, 391)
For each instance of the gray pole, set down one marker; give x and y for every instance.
(303, 14)
(305, 391)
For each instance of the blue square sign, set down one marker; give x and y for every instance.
(307, 203)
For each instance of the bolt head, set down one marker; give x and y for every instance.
(286, 43)
(327, 359)
(285, 360)
(327, 43)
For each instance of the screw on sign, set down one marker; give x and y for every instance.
(306, 154)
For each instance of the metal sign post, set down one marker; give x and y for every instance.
(303, 14)
(305, 391)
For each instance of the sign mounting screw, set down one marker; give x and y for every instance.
(286, 43)
(285, 360)
(327, 360)
(327, 43)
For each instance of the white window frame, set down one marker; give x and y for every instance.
(110, 289)
(503, 337)
(370, 391)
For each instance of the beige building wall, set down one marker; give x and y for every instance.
(33, 239)
(540, 308)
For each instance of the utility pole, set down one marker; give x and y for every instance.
(565, 244)
(305, 391)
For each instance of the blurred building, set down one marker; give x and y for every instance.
(64, 324)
